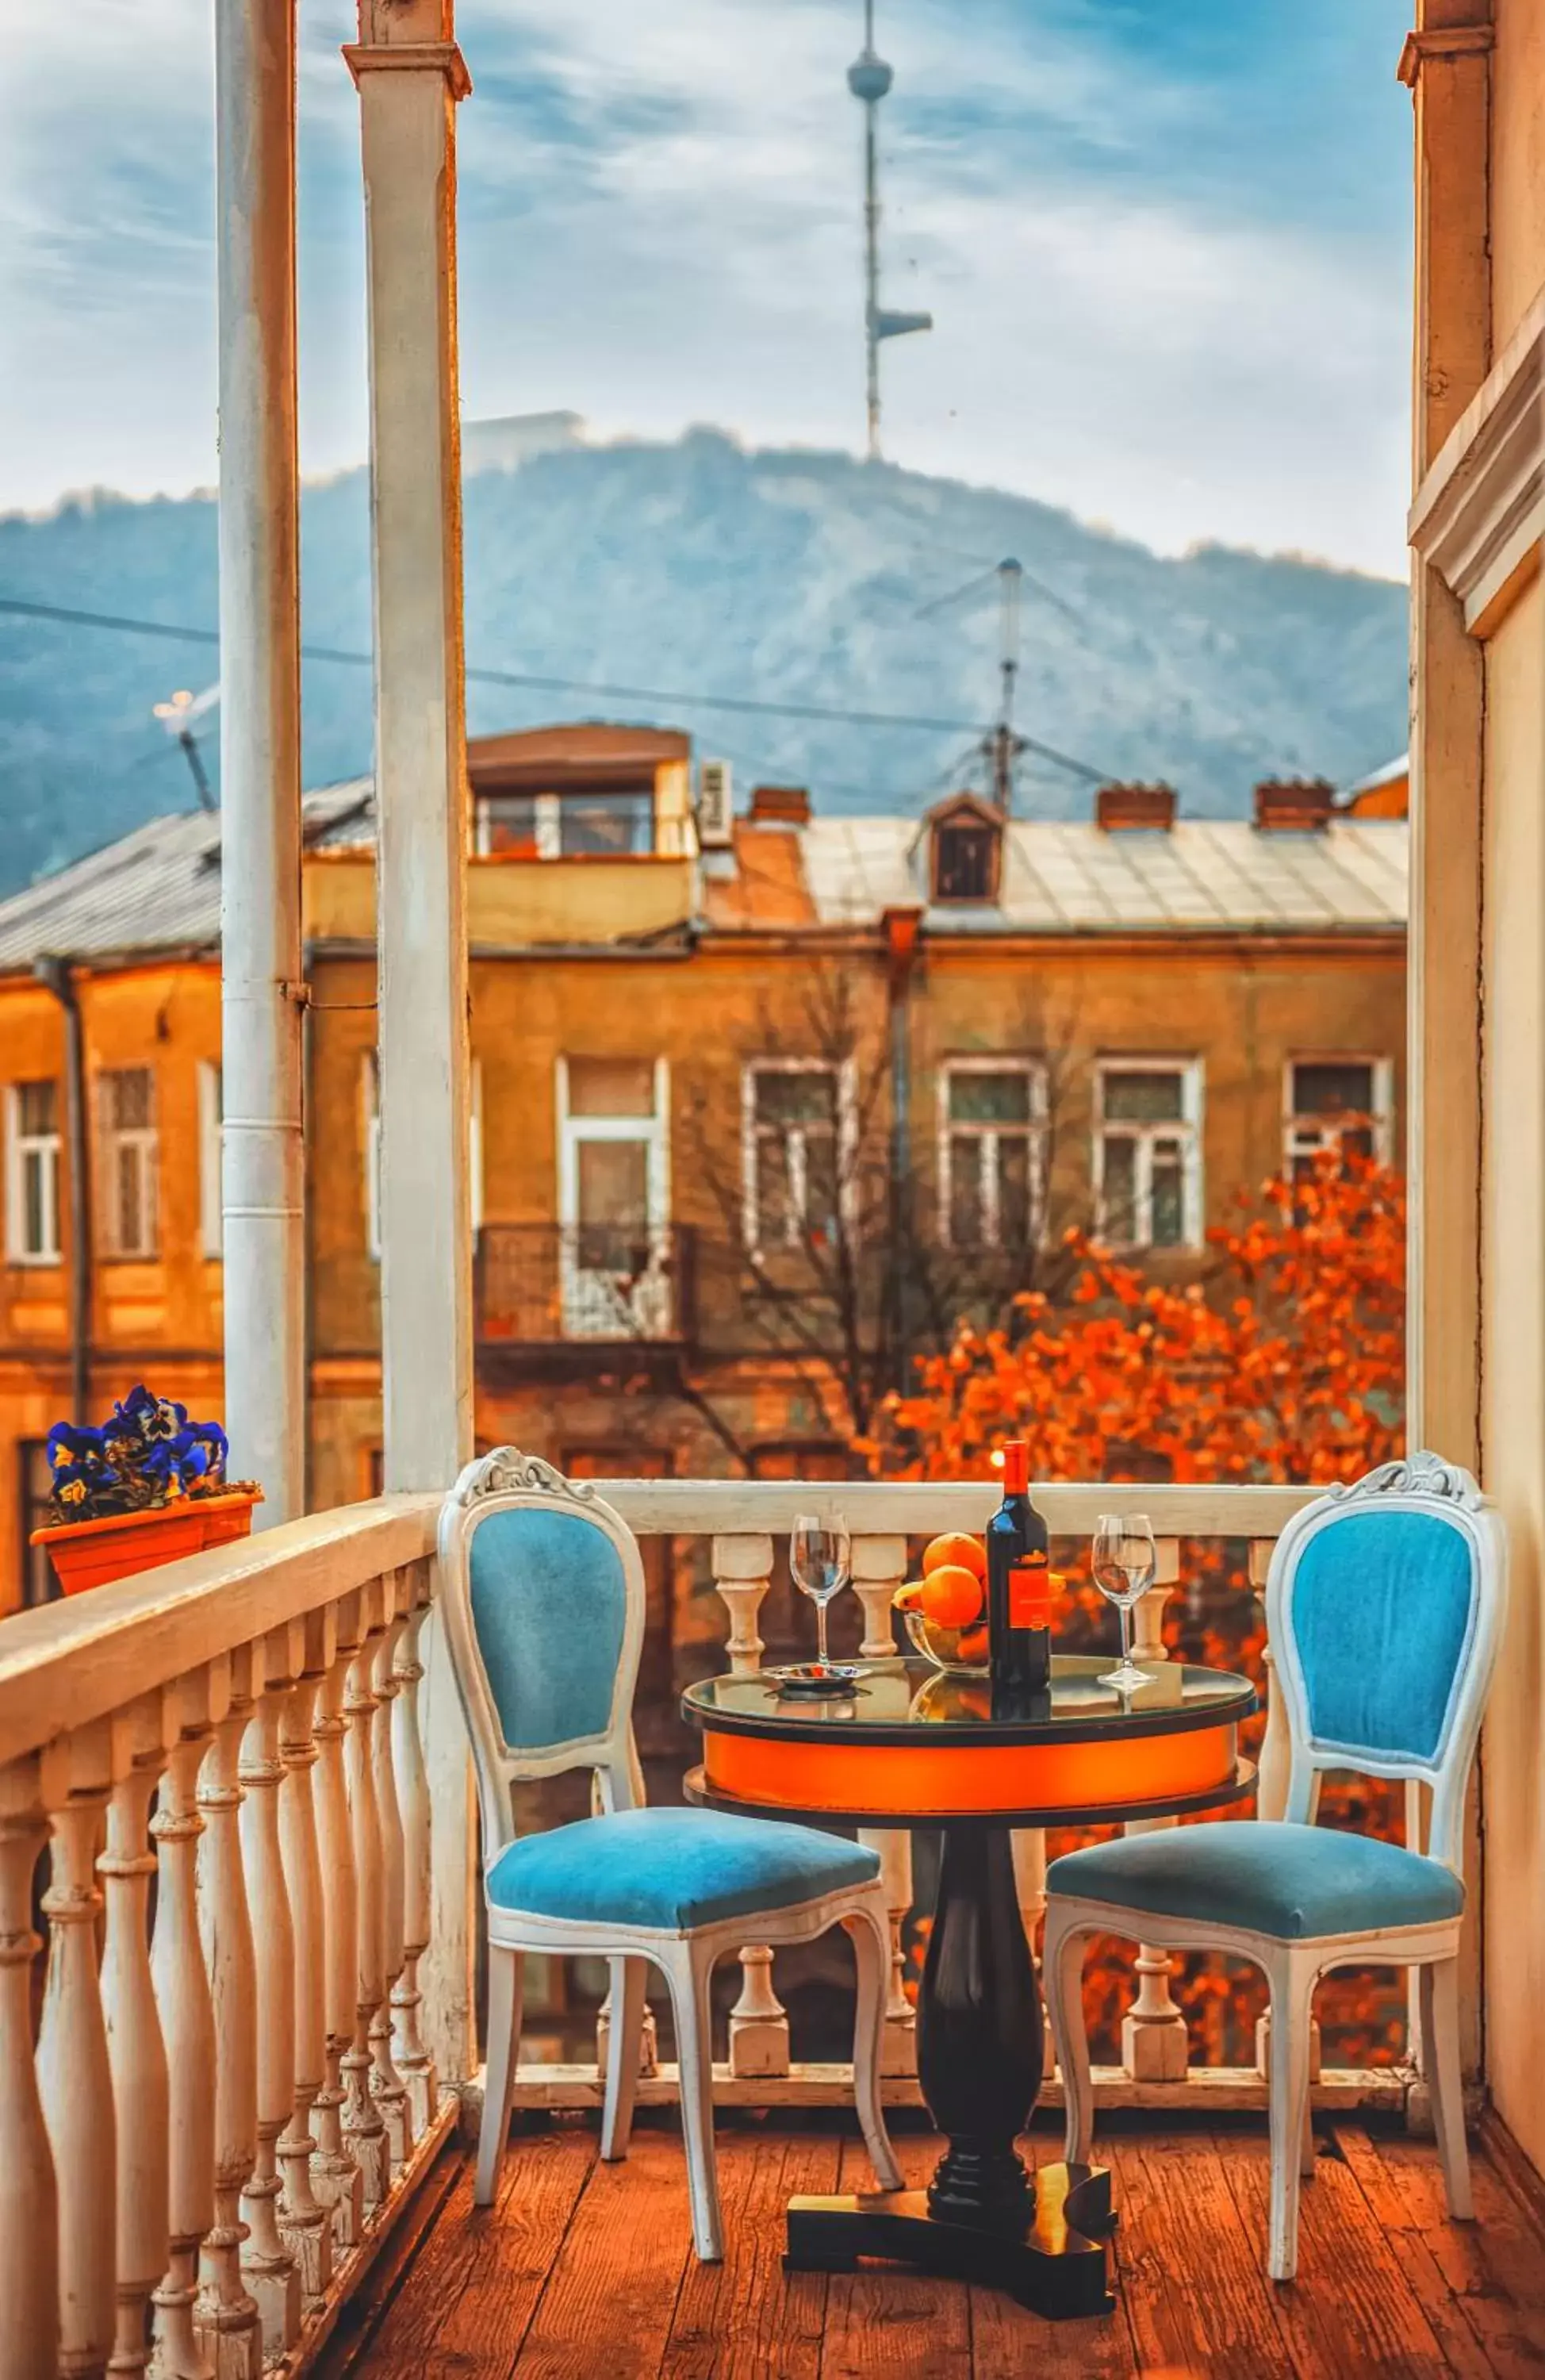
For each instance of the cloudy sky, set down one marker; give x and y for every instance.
(1165, 243)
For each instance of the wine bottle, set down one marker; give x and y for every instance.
(1018, 1586)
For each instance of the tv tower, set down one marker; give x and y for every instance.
(869, 78)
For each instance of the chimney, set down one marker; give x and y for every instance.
(1118, 807)
(1300, 805)
(779, 805)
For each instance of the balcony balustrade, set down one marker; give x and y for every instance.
(221, 2114)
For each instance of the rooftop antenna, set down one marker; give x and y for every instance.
(869, 78)
(1004, 746)
(177, 717)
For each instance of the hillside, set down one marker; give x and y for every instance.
(699, 568)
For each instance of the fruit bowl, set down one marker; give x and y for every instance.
(941, 1646)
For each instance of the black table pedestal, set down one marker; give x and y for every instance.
(979, 2061)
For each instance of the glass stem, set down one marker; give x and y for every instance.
(821, 1631)
(1126, 1637)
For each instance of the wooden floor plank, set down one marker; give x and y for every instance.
(499, 2256)
(1191, 2275)
(883, 2318)
(1351, 2308)
(1491, 2272)
(747, 2318)
(585, 2272)
(610, 2298)
(1007, 2341)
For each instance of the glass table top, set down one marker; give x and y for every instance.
(910, 1702)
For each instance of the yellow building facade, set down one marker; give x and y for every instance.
(698, 1074)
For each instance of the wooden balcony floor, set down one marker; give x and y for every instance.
(586, 2269)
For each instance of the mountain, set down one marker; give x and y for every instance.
(698, 568)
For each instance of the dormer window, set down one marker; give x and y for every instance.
(965, 851)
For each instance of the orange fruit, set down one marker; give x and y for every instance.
(972, 1646)
(951, 1596)
(956, 1549)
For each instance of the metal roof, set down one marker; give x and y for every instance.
(157, 888)
(1201, 875)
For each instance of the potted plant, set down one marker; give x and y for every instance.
(144, 1487)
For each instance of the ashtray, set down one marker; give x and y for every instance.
(811, 1679)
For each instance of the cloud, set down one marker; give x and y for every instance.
(1165, 253)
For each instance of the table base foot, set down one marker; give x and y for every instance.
(1056, 2266)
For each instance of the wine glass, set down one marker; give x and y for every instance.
(820, 1556)
(1125, 1560)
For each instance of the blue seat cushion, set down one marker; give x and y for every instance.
(672, 1869)
(1296, 1883)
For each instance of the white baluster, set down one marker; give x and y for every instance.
(335, 2175)
(135, 2052)
(182, 1992)
(879, 1567)
(226, 2318)
(363, 2128)
(413, 2059)
(306, 2224)
(758, 2021)
(267, 2265)
(75, 2079)
(390, 2089)
(1154, 2045)
(29, 2202)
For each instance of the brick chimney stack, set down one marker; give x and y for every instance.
(1294, 805)
(779, 805)
(1120, 807)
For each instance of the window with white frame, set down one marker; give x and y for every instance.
(797, 1131)
(370, 1107)
(125, 1110)
(32, 1173)
(1148, 1152)
(1336, 1107)
(992, 1134)
(212, 1120)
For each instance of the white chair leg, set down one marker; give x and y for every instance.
(1062, 1975)
(505, 1980)
(1440, 2033)
(624, 2033)
(688, 1973)
(1292, 1987)
(870, 1935)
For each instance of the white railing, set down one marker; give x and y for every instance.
(221, 2114)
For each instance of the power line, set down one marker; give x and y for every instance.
(745, 705)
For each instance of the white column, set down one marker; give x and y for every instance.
(259, 750)
(75, 2076)
(410, 74)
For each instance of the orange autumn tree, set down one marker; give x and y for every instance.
(1284, 1363)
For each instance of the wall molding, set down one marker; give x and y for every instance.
(1442, 41)
(1480, 514)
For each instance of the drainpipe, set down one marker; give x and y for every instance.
(56, 975)
(903, 936)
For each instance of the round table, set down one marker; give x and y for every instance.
(910, 1747)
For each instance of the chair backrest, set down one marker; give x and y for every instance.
(542, 1593)
(1384, 1605)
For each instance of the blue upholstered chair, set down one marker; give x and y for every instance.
(1385, 1606)
(542, 1592)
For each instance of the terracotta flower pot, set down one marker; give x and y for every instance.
(93, 1553)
